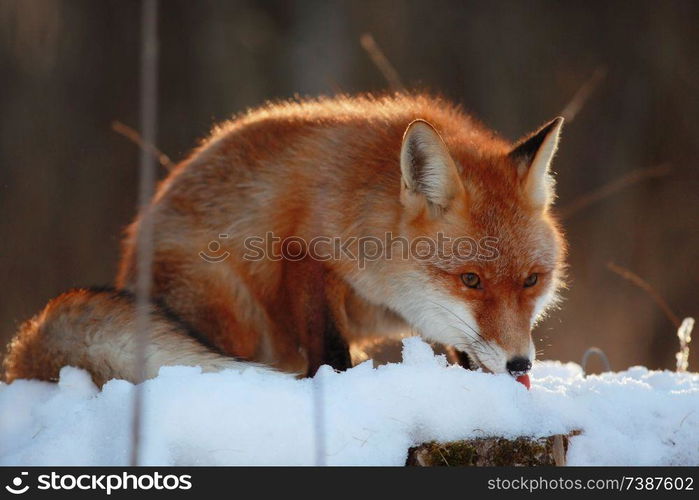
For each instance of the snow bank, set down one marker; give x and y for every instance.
(372, 416)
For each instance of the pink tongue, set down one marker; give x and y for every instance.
(524, 380)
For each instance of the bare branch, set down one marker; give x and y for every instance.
(132, 135)
(597, 352)
(612, 187)
(381, 62)
(583, 94)
(646, 287)
(144, 238)
(684, 334)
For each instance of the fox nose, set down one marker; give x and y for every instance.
(518, 366)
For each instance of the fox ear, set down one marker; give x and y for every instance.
(427, 169)
(532, 156)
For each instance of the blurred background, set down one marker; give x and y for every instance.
(625, 74)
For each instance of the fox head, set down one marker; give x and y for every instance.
(484, 300)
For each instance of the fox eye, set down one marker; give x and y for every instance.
(531, 280)
(471, 280)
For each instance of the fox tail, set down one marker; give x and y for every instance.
(96, 329)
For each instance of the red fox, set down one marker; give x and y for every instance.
(262, 255)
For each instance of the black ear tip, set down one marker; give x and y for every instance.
(527, 148)
(553, 124)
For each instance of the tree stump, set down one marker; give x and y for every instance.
(522, 451)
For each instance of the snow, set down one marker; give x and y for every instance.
(371, 415)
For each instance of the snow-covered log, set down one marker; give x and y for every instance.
(522, 451)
